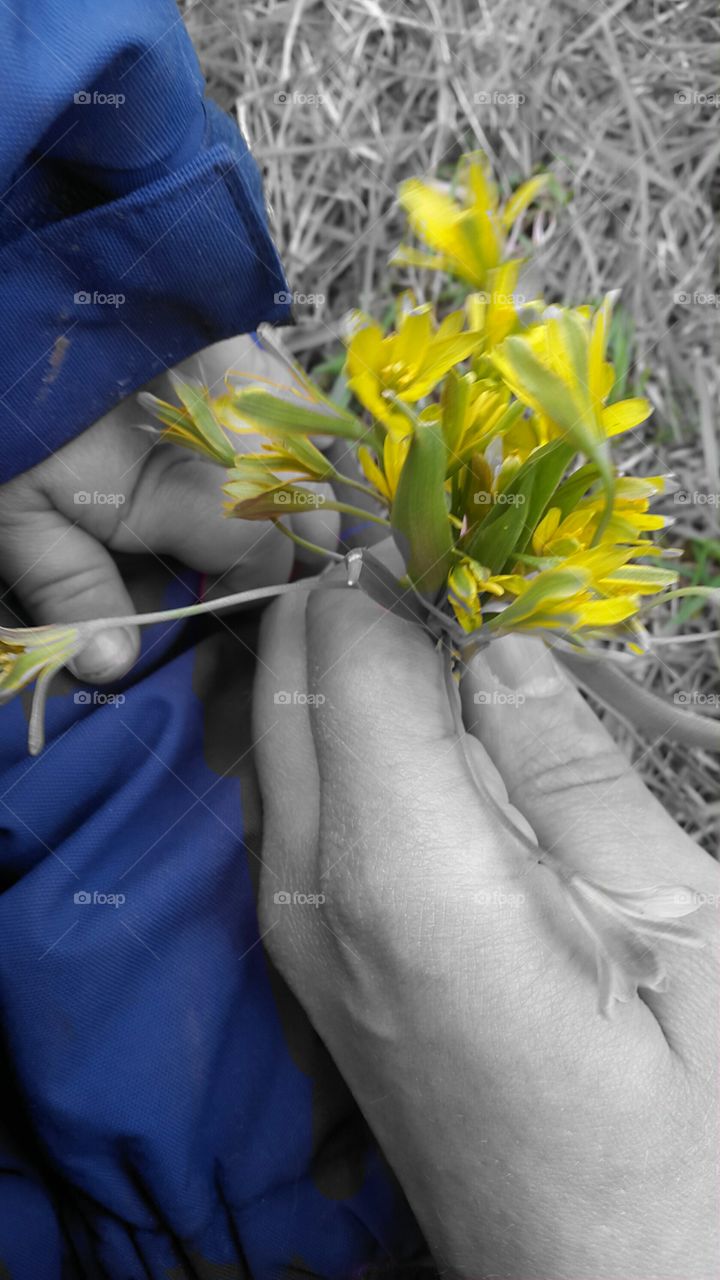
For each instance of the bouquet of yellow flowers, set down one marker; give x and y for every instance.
(483, 439)
(482, 446)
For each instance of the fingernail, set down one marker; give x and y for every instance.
(526, 666)
(106, 657)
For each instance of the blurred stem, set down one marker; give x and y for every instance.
(361, 488)
(350, 510)
(308, 546)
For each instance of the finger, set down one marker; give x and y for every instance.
(60, 573)
(282, 732)
(563, 769)
(178, 511)
(289, 784)
(587, 804)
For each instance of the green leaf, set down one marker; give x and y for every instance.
(548, 587)
(508, 529)
(307, 455)
(272, 414)
(575, 487)
(195, 400)
(543, 389)
(419, 517)
(255, 501)
(454, 401)
(620, 352)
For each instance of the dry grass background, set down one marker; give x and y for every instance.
(341, 99)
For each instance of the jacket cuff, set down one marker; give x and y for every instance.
(94, 306)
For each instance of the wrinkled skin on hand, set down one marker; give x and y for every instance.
(444, 969)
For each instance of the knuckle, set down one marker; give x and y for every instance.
(78, 584)
(578, 763)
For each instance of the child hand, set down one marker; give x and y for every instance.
(113, 489)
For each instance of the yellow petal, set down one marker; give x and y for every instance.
(476, 172)
(642, 579)
(523, 197)
(395, 452)
(406, 256)
(364, 349)
(441, 356)
(606, 613)
(372, 471)
(598, 342)
(546, 530)
(624, 415)
(411, 341)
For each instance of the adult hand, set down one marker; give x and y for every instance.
(113, 489)
(442, 964)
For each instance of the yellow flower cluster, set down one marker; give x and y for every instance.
(483, 435)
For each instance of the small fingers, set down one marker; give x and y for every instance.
(61, 573)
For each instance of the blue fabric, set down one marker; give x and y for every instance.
(132, 223)
(168, 1111)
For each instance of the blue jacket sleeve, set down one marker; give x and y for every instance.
(132, 223)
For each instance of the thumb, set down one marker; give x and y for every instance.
(390, 749)
(594, 815)
(60, 573)
(583, 797)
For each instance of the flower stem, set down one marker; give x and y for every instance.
(192, 610)
(309, 546)
(350, 510)
(361, 488)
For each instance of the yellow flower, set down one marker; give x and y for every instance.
(497, 309)
(35, 653)
(473, 412)
(294, 456)
(467, 235)
(385, 478)
(405, 365)
(195, 425)
(587, 591)
(558, 369)
(466, 582)
(556, 535)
